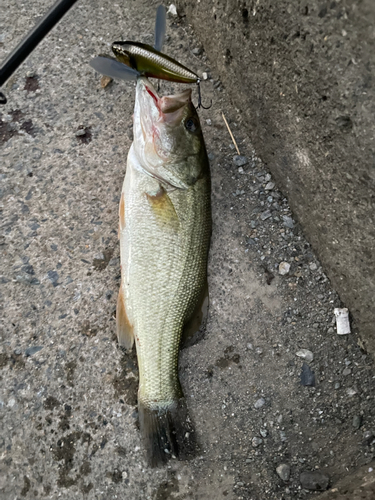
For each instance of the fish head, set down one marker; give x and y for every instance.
(168, 139)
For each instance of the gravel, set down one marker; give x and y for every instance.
(305, 354)
(283, 471)
(240, 161)
(259, 403)
(314, 480)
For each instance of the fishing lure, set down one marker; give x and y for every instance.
(134, 59)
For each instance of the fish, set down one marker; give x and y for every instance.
(164, 233)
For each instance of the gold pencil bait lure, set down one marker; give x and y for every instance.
(134, 59)
(152, 63)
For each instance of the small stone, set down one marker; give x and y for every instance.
(357, 421)
(80, 132)
(25, 279)
(265, 215)
(30, 351)
(305, 354)
(269, 186)
(258, 404)
(368, 437)
(347, 371)
(197, 51)
(337, 385)
(53, 276)
(283, 471)
(259, 350)
(284, 268)
(36, 153)
(240, 170)
(240, 161)
(11, 402)
(313, 266)
(263, 433)
(283, 437)
(307, 376)
(204, 75)
(172, 10)
(256, 441)
(209, 121)
(314, 480)
(288, 222)
(351, 392)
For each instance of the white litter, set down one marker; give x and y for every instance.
(172, 10)
(342, 321)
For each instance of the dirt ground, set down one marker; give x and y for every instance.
(68, 392)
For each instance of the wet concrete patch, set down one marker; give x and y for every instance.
(64, 450)
(87, 329)
(51, 402)
(166, 490)
(84, 134)
(228, 358)
(126, 384)
(101, 263)
(31, 84)
(26, 486)
(70, 368)
(6, 131)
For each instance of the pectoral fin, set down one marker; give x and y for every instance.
(163, 208)
(125, 333)
(193, 328)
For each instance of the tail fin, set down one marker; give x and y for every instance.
(166, 432)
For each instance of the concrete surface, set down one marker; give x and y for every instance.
(68, 426)
(302, 74)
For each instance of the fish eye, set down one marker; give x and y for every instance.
(191, 125)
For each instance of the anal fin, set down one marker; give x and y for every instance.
(125, 333)
(194, 326)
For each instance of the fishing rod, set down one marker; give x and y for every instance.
(31, 40)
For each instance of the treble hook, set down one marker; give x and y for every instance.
(200, 105)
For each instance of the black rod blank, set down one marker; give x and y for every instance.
(36, 35)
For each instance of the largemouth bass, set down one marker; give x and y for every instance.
(164, 231)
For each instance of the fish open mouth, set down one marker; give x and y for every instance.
(168, 105)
